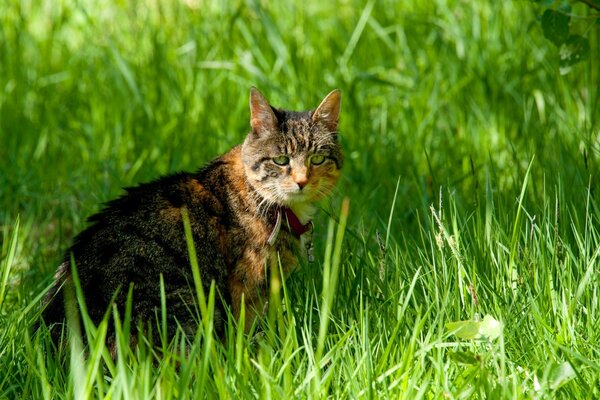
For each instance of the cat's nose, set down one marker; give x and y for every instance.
(301, 183)
(300, 176)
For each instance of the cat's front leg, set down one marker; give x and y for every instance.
(248, 286)
(254, 303)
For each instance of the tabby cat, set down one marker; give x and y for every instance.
(247, 209)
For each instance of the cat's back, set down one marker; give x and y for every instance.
(140, 236)
(150, 214)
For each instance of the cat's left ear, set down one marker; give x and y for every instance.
(328, 111)
(262, 118)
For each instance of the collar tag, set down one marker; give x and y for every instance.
(293, 222)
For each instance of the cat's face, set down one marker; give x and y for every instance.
(292, 157)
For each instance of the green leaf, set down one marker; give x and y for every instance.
(465, 330)
(555, 26)
(574, 50)
(490, 327)
(560, 374)
(555, 376)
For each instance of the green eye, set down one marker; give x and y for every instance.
(281, 160)
(317, 159)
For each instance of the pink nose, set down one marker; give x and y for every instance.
(300, 176)
(302, 183)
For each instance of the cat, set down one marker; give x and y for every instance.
(248, 209)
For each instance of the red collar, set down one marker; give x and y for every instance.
(294, 223)
(296, 227)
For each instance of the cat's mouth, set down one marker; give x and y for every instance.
(308, 194)
(290, 195)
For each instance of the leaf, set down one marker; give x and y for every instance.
(574, 50)
(555, 26)
(490, 327)
(556, 375)
(560, 374)
(465, 330)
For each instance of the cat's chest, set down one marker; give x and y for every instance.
(291, 238)
(268, 246)
(283, 249)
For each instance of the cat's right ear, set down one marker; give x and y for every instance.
(262, 118)
(328, 111)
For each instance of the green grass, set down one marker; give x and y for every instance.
(472, 172)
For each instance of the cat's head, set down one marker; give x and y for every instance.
(293, 157)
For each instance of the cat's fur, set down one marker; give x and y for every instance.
(233, 205)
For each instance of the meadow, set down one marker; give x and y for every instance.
(458, 258)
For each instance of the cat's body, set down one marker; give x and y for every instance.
(247, 209)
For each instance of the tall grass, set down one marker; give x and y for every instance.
(471, 176)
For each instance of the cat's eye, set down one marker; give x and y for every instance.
(317, 159)
(281, 160)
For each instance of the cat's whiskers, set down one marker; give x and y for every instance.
(322, 192)
(325, 190)
(263, 204)
(272, 195)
